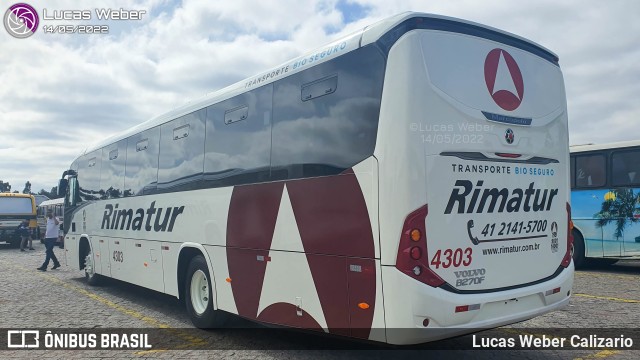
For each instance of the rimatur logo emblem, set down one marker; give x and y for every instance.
(504, 79)
(21, 20)
(509, 136)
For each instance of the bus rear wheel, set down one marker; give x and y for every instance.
(198, 296)
(578, 250)
(90, 274)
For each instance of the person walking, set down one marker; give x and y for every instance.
(50, 237)
(25, 233)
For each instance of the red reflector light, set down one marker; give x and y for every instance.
(509, 155)
(551, 292)
(463, 308)
(416, 253)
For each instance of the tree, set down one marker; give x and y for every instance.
(45, 193)
(53, 194)
(27, 188)
(4, 186)
(619, 206)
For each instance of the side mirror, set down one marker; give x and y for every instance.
(62, 187)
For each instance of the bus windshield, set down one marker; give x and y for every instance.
(16, 205)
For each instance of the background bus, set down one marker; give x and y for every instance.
(605, 199)
(57, 207)
(40, 198)
(425, 154)
(14, 208)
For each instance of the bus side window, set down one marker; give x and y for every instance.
(590, 171)
(89, 176)
(332, 125)
(181, 160)
(238, 139)
(112, 173)
(141, 169)
(625, 168)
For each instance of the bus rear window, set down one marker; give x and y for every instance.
(15, 205)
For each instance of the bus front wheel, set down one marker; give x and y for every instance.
(198, 296)
(578, 250)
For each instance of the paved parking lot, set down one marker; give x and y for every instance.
(603, 297)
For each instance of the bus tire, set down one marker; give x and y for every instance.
(90, 274)
(579, 260)
(198, 296)
(14, 240)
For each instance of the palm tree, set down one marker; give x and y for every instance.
(620, 206)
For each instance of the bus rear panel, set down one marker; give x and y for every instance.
(473, 157)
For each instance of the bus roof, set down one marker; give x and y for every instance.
(52, 202)
(353, 41)
(608, 146)
(20, 195)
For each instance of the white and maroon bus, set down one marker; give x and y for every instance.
(411, 176)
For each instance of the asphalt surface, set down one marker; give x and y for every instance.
(603, 297)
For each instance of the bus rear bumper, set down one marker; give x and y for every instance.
(446, 314)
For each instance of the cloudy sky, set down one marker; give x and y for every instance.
(60, 93)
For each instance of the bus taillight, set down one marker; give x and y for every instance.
(416, 235)
(568, 255)
(412, 253)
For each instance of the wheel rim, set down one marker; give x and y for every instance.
(199, 292)
(88, 265)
